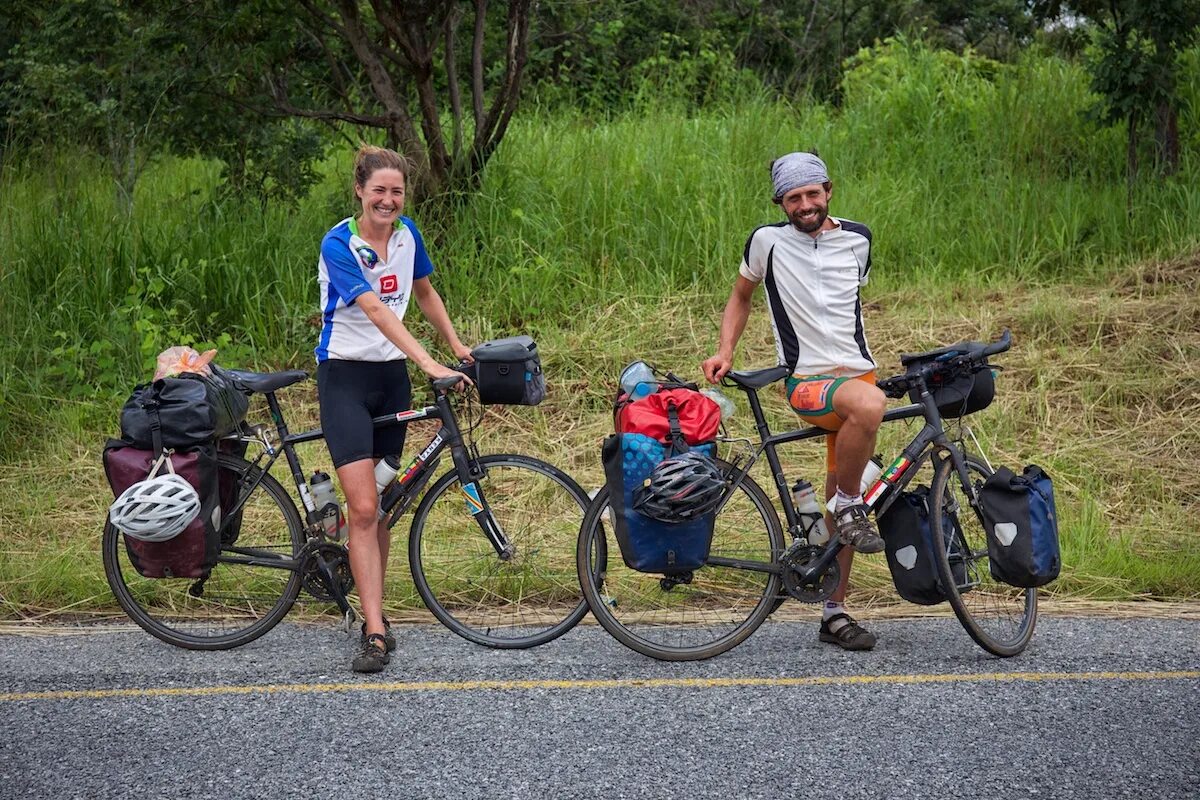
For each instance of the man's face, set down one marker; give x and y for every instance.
(807, 207)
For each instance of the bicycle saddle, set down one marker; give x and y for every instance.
(758, 378)
(265, 381)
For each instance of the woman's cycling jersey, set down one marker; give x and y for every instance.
(347, 268)
(813, 294)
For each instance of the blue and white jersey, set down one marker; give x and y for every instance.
(347, 268)
(813, 294)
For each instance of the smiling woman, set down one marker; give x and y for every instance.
(370, 266)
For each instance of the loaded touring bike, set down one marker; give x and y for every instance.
(490, 547)
(752, 565)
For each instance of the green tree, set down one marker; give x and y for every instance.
(433, 76)
(97, 73)
(1136, 68)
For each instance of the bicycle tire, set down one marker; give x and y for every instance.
(714, 613)
(239, 602)
(1000, 618)
(525, 601)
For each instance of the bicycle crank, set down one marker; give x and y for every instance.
(325, 573)
(805, 587)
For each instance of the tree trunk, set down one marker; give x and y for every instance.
(1131, 162)
(1166, 138)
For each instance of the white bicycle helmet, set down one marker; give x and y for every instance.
(156, 509)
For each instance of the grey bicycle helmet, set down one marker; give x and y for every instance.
(680, 488)
(156, 509)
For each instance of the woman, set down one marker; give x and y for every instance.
(370, 266)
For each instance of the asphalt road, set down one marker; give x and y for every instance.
(1094, 708)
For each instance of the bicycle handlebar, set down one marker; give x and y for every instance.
(974, 359)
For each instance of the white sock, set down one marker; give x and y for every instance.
(845, 500)
(832, 609)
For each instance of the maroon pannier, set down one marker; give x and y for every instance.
(193, 552)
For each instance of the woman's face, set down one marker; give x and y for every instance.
(382, 196)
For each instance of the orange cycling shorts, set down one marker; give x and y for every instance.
(811, 397)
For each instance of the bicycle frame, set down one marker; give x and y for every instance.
(896, 476)
(396, 499)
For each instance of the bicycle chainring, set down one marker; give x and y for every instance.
(338, 559)
(816, 590)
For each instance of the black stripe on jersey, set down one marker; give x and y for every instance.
(750, 238)
(863, 231)
(859, 335)
(783, 325)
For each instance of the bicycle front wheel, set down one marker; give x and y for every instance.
(1000, 618)
(238, 602)
(715, 611)
(525, 600)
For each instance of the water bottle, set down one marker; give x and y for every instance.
(871, 473)
(637, 380)
(812, 518)
(326, 501)
(717, 396)
(385, 470)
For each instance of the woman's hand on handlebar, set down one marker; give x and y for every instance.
(463, 353)
(438, 372)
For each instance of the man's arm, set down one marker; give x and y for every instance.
(733, 322)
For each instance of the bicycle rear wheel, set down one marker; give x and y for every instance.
(527, 600)
(716, 611)
(1000, 618)
(238, 602)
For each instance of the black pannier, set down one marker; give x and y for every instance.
(1022, 527)
(907, 532)
(508, 372)
(187, 411)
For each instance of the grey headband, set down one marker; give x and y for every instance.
(796, 169)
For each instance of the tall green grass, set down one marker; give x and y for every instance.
(966, 170)
(597, 236)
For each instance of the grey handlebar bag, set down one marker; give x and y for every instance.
(508, 372)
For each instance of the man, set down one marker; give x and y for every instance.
(812, 267)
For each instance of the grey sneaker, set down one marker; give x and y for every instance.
(856, 530)
(372, 654)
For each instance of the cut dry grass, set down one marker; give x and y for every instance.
(1100, 388)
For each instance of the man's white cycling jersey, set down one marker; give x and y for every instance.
(813, 294)
(347, 268)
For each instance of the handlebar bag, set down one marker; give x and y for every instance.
(508, 372)
(186, 411)
(908, 544)
(649, 545)
(193, 553)
(1022, 527)
(956, 395)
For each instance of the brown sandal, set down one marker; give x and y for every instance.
(848, 636)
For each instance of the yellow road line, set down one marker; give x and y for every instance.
(627, 683)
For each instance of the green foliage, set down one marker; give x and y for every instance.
(966, 169)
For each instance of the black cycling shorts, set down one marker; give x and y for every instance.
(351, 393)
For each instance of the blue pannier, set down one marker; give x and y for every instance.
(648, 545)
(1022, 527)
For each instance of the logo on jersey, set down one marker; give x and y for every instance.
(388, 284)
(367, 256)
